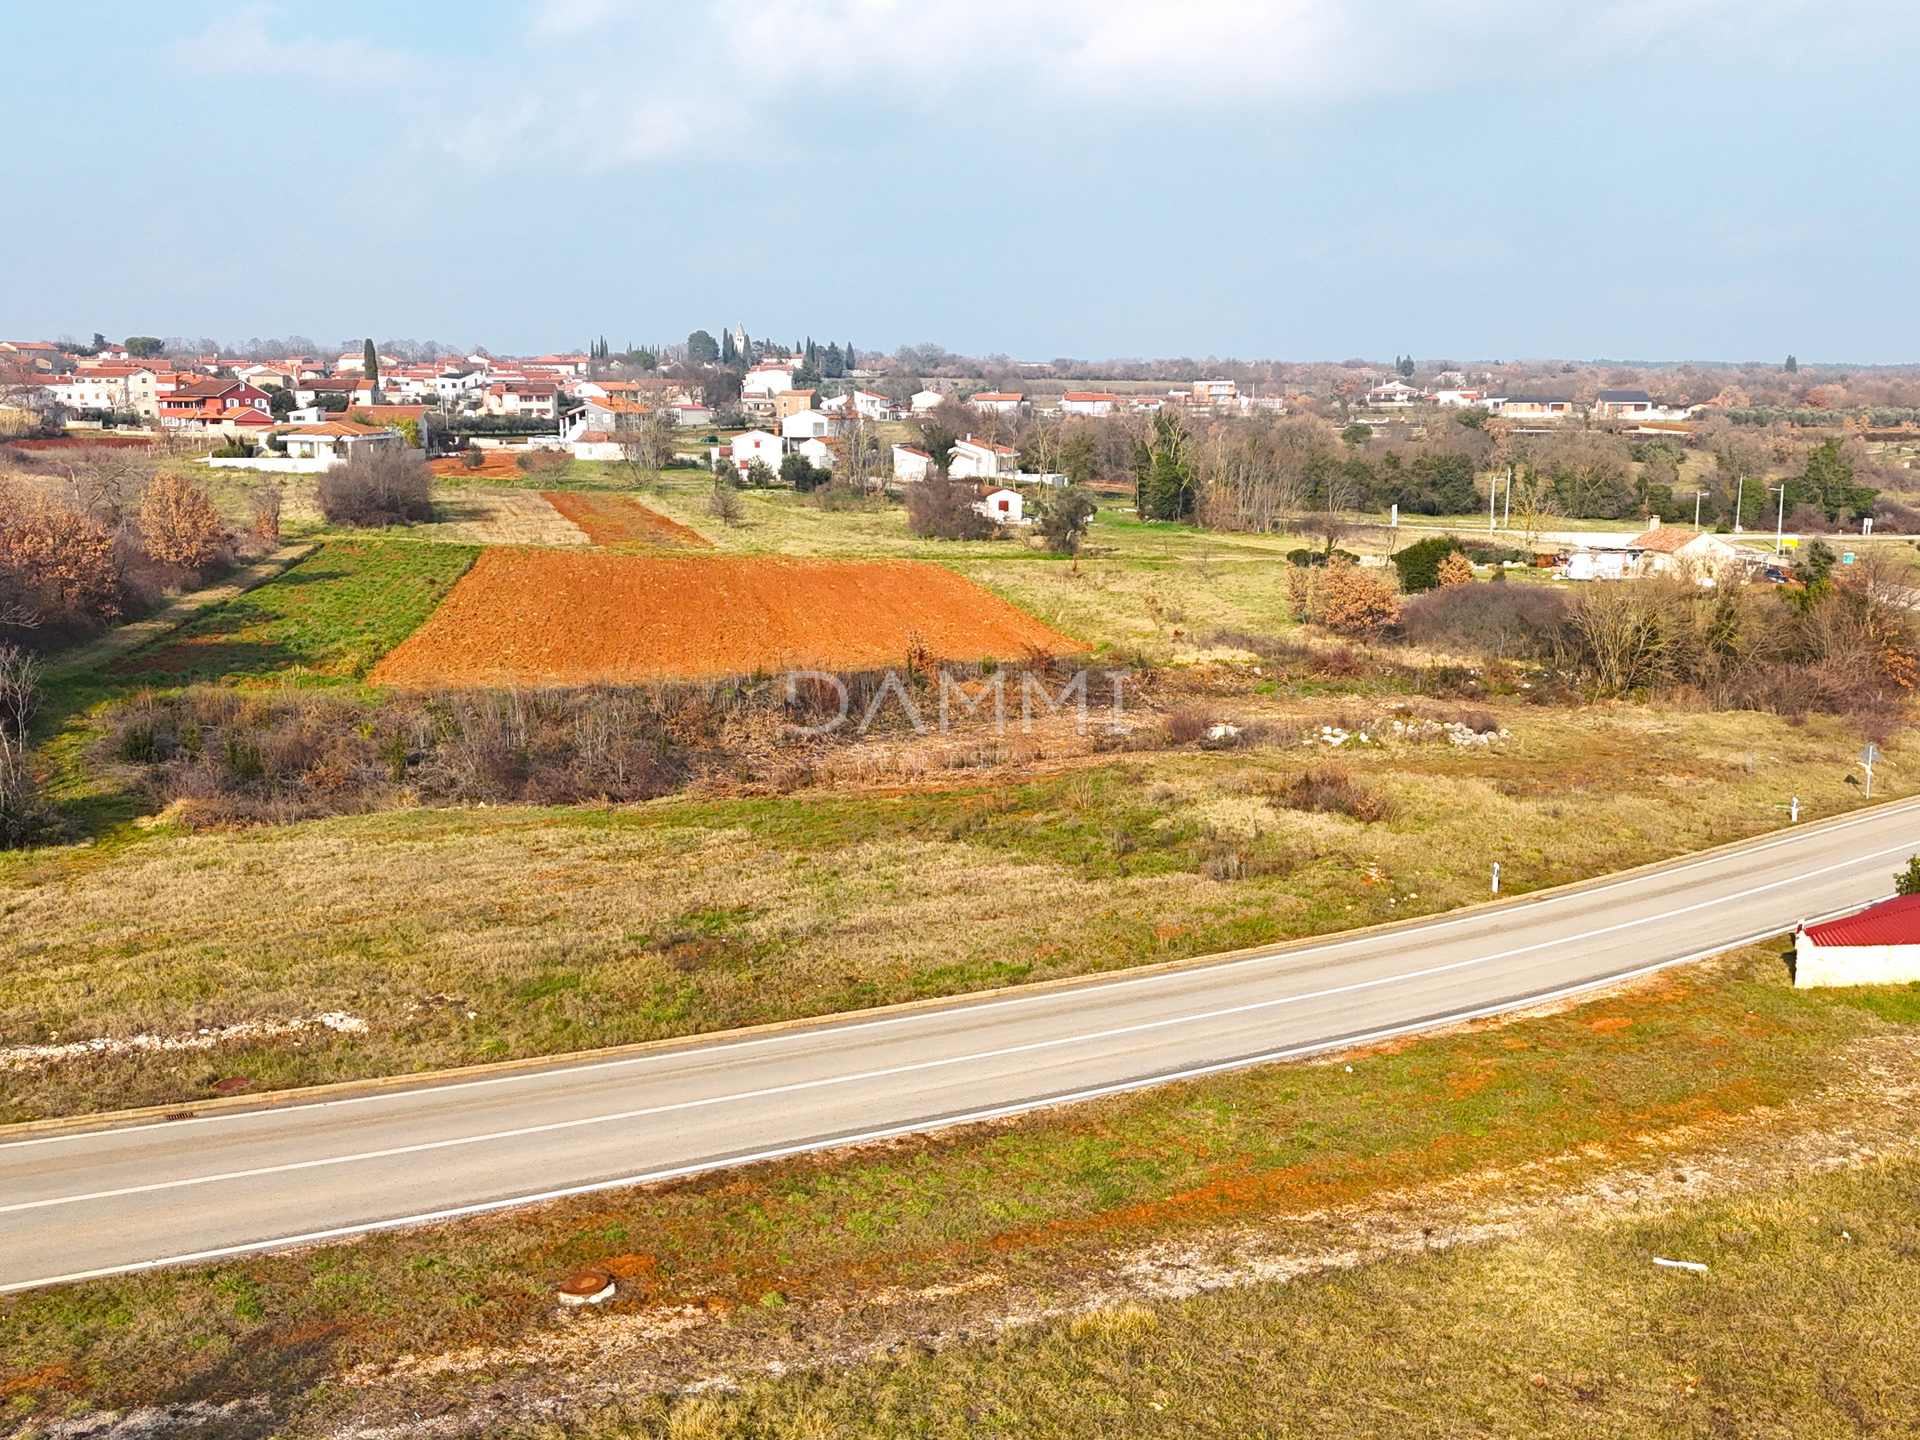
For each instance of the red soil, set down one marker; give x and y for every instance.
(621, 520)
(76, 442)
(494, 465)
(566, 617)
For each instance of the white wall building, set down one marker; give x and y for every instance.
(977, 460)
(806, 425)
(1004, 507)
(911, 464)
(1877, 946)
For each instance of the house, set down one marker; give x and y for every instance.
(1677, 550)
(455, 385)
(792, 402)
(609, 414)
(762, 383)
(528, 399)
(357, 361)
(752, 445)
(1876, 946)
(1082, 402)
(821, 454)
(926, 401)
(1002, 401)
(911, 464)
(309, 449)
(1214, 392)
(872, 406)
(1461, 399)
(806, 425)
(193, 403)
(1394, 392)
(978, 460)
(1006, 507)
(1619, 404)
(1532, 407)
(1592, 564)
(91, 390)
(687, 413)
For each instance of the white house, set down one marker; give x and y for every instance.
(1876, 946)
(1532, 407)
(752, 445)
(874, 407)
(977, 460)
(313, 448)
(1005, 507)
(806, 425)
(1460, 399)
(926, 400)
(911, 464)
(763, 382)
(1005, 402)
(1394, 392)
(1620, 404)
(1674, 549)
(686, 413)
(820, 454)
(1079, 402)
(1214, 392)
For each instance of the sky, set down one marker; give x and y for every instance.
(1297, 179)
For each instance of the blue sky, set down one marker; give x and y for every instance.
(1300, 179)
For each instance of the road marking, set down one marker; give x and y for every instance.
(718, 1045)
(1075, 1097)
(856, 1077)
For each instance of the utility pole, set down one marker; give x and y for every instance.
(1698, 496)
(1739, 504)
(1506, 514)
(1780, 522)
(1493, 500)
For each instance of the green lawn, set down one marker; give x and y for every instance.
(328, 618)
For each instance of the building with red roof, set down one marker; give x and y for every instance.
(1879, 945)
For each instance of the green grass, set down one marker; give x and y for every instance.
(329, 618)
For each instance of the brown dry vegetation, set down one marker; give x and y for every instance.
(622, 520)
(565, 929)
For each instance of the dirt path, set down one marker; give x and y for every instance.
(175, 613)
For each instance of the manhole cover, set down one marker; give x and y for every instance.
(586, 1287)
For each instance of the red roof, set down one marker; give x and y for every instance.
(1891, 922)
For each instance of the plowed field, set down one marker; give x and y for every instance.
(562, 617)
(621, 520)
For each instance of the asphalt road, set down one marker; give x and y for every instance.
(87, 1202)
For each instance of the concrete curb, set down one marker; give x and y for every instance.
(582, 1058)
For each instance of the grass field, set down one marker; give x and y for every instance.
(328, 619)
(464, 935)
(1037, 1204)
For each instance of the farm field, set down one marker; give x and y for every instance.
(327, 619)
(610, 519)
(522, 616)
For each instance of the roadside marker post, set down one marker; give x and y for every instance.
(1794, 817)
(1496, 877)
(1867, 758)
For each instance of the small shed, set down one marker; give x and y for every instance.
(1876, 946)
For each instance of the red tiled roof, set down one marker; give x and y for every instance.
(1666, 540)
(998, 395)
(1891, 922)
(1087, 395)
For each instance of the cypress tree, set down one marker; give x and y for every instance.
(370, 364)
(726, 347)
(849, 354)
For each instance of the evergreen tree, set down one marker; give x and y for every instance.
(813, 357)
(702, 348)
(370, 363)
(1405, 367)
(1164, 486)
(1792, 366)
(852, 365)
(833, 367)
(726, 347)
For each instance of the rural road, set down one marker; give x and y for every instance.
(85, 1202)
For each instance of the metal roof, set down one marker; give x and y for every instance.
(1891, 922)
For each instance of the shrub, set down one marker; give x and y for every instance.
(381, 485)
(1455, 569)
(1501, 621)
(1064, 520)
(265, 503)
(1186, 726)
(801, 473)
(724, 503)
(544, 462)
(179, 525)
(24, 819)
(1329, 789)
(1349, 601)
(57, 568)
(472, 459)
(942, 508)
(760, 474)
(1419, 563)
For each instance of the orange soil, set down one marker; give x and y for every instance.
(621, 520)
(494, 465)
(523, 615)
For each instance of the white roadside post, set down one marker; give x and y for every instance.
(1496, 877)
(1867, 757)
(1795, 816)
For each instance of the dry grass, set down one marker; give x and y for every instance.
(472, 515)
(565, 929)
(826, 1259)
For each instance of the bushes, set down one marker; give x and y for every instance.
(1342, 597)
(1455, 570)
(1419, 564)
(724, 503)
(381, 485)
(802, 474)
(24, 819)
(1503, 621)
(57, 568)
(942, 508)
(178, 524)
(551, 464)
(1330, 789)
(1064, 520)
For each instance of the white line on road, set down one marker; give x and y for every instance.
(856, 1077)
